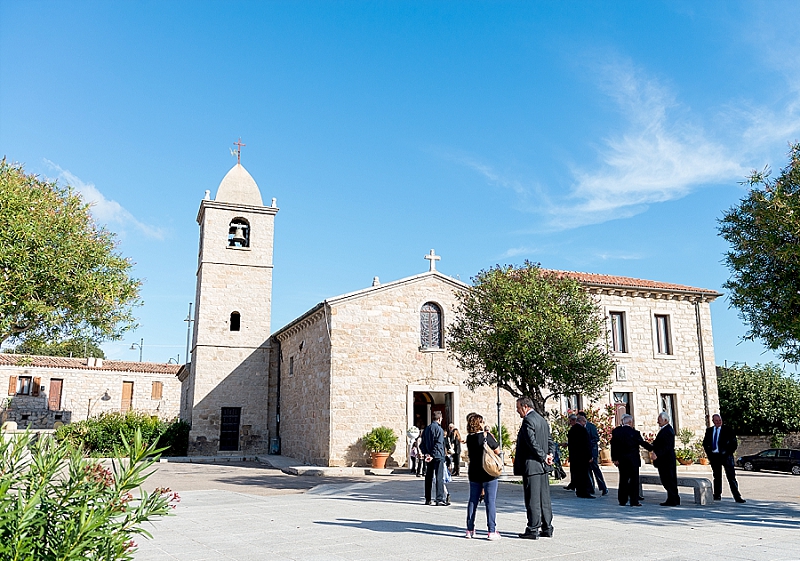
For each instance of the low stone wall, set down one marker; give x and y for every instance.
(755, 444)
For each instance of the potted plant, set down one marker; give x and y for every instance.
(686, 455)
(379, 442)
(701, 453)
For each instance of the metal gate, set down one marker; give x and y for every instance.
(229, 429)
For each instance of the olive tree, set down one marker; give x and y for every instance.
(536, 333)
(61, 275)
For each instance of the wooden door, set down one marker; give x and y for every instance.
(229, 429)
(54, 397)
(127, 397)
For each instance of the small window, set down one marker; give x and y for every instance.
(24, 384)
(618, 342)
(431, 326)
(669, 405)
(236, 321)
(574, 402)
(663, 343)
(157, 390)
(623, 405)
(239, 233)
(291, 366)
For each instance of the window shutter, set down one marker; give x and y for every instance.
(157, 390)
(37, 384)
(12, 385)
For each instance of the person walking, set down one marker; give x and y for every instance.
(480, 482)
(534, 462)
(455, 446)
(579, 455)
(663, 456)
(625, 443)
(416, 457)
(433, 446)
(595, 473)
(720, 443)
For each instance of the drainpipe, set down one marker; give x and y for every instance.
(278, 400)
(702, 360)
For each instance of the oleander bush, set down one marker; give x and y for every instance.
(99, 436)
(56, 504)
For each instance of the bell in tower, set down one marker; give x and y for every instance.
(239, 233)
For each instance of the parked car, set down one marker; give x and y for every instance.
(778, 459)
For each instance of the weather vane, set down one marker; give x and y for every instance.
(238, 151)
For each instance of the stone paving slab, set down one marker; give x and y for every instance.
(383, 517)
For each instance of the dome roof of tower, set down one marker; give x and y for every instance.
(239, 187)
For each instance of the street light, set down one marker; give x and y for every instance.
(138, 345)
(174, 360)
(189, 322)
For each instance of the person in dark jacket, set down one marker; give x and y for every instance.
(454, 442)
(625, 443)
(534, 462)
(433, 447)
(663, 456)
(579, 455)
(720, 443)
(480, 482)
(595, 473)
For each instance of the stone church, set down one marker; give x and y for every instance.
(377, 356)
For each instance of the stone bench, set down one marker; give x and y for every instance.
(703, 493)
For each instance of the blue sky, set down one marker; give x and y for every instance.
(593, 137)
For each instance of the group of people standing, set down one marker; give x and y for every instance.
(535, 457)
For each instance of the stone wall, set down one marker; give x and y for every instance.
(85, 393)
(755, 444)
(648, 375)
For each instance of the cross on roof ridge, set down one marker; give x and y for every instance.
(433, 258)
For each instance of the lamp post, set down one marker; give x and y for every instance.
(499, 426)
(138, 345)
(188, 321)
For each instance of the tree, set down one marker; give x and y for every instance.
(759, 399)
(71, 347)
(764, 259)
(60, 274)
(537, 333)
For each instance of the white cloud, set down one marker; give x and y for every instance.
(518, 251)
(655, 159)
(105, 210)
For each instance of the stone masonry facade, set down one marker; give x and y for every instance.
(87, 387)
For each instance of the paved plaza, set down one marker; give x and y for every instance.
(247, 511)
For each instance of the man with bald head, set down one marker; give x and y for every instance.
(625, 443)
(720, 443)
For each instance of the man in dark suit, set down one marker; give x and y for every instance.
(625, 442)
(580, 454)
(533, 461)
(664, 459)
(720, 443)
(595, 473)
(433, 447)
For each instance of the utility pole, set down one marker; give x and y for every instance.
(189, 321)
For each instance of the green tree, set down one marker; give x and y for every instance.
(71, 347)
(759, 399)
(60, 274)
(764, 233)
(537, 333)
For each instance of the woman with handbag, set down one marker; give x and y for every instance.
(478, 444)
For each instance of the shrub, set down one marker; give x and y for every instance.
(57, 505)
(379, 439)
(101, 435)
(505, 442)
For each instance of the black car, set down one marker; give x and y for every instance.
(778, 459)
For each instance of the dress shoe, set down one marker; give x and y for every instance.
(428, 503)
(526, 535)
(447, 499)
(442, 503)
(636, 504)
(605, 492)
(546, 534)
(739, 500)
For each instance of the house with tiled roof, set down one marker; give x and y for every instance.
(47, 391)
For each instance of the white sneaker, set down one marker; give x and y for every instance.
(493, 536)
(470, 534)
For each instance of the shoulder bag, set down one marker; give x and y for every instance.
(492, 463)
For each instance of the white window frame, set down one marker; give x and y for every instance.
(626, 320)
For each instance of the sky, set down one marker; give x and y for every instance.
(596, 137)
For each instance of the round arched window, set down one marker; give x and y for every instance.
(430, 332)
(239, 233)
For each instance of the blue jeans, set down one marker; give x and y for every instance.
(489, 495)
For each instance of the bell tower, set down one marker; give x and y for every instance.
(224, 395)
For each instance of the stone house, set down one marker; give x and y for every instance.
(44, 391)
(377, 356)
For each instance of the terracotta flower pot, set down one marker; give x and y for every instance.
(685, 462)
(704, 461)
(379, 459)
(605, 457)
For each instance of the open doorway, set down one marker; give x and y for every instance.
(425, 403)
